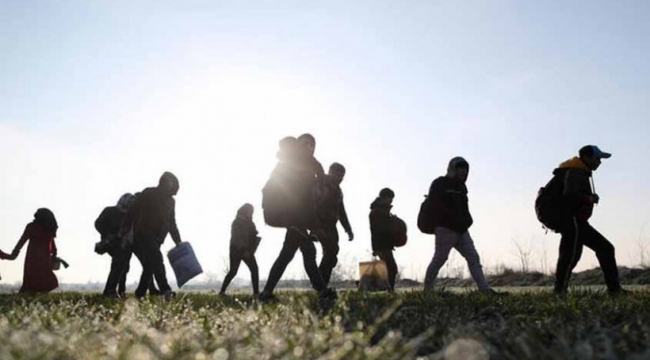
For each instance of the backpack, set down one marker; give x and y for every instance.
(426, 222)
(288, 195)
(549, 204)
(398, 231)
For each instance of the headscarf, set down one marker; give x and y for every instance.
(244, 211)
(125, 200)
(45, 218)
(454, 164)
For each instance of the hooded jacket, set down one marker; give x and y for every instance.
(380, 226)
(449, 200)
(577, 188)
(243, 236)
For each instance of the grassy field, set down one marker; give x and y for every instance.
(410, 324)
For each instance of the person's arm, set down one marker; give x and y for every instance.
(344, 220)
(54, 250)
(254, 238)
(21, 242)
(173, 228)
(572, 188)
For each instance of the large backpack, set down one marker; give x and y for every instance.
(426, 221)
(398, 231)
(549, 204)
(288, 195)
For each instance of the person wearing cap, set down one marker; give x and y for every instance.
(331, 210)
(152, 216)
(452, 218)
(381, 232)
(578, 203)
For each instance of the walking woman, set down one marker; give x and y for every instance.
(243, 243)
(38, 275)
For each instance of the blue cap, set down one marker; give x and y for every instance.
(593, 150)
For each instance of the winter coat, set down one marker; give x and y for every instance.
(380, 227)
(450, 204)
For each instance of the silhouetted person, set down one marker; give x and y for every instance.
(382, 234)
(449, 201)
(578, 204)
(243, 244)
(311, 173)
(38, 275)
(152, 217)
(331, 210)
(108, 224)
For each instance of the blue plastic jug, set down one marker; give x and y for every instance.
(184, 263)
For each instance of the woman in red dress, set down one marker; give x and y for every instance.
(38, 275)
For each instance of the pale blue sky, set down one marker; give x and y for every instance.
(99, 99)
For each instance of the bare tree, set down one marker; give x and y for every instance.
(524, 253)
(642, 249)
(346, 269)
(225, 265)
(544, 267)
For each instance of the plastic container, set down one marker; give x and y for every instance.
(184, 263)
(373, 276)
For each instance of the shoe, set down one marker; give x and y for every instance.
(560, 292)
(327, 294)
(155, 292)
(493, 292)
(267, 297)
(168, 295)
(619, 292)
(111, 295)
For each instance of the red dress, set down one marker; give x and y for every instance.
(38, 275)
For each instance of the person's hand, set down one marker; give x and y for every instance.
(594, 198)
(350, 236)
(14, 254)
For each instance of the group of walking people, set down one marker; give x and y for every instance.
(301, 198)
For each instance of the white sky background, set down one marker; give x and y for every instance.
(97, 100)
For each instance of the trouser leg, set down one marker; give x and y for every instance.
(466, 248)
(330, 244)
(570, 253)
(445, 241)
(287, 253)
(235, 260)
(605, 253)
(255, 277)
